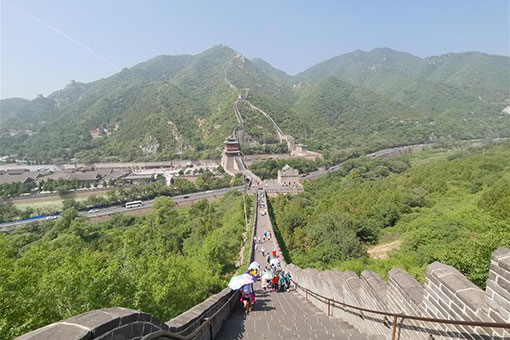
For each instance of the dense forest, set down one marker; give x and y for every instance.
(452, 209)
(181, 106)
(162, 263)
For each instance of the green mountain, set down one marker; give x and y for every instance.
(181, 106)
(462, 82)
(457, 95)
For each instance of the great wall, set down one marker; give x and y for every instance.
(322, 305)
(325, 305)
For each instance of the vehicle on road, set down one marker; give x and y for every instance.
(134, 204)
(186, 197)
(93, 210)
(54, 217)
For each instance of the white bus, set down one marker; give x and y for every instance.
(134, 204)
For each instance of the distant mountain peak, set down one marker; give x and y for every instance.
(220, 48)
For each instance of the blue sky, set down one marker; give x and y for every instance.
(45, 44)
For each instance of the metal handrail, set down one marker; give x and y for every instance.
(403, 316)
(208, 322)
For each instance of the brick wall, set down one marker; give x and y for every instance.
(126, 324)
(107, 323)
(446, 294)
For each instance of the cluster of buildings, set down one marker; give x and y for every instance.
(85, 175)
(107, 131)
(99, 173)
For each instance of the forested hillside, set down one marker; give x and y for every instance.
(162, 263)
(181, 106)
(453, 209)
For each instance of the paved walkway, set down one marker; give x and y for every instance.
(284, 315)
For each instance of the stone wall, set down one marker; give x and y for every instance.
(107, 323)
(187, 322)
(446, 294)
(118, 323)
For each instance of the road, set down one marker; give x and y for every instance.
(321, 172)
(5, 227)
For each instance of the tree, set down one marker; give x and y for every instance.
(162, 209)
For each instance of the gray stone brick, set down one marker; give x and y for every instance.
(137, 329)
(122, 333)
(58, 331)
(505, 284)
(144, 317)
(107, 336)
(504, 303)
(98, 321)
(472, 298)
(501, 271)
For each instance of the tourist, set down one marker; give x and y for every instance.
(262, 251)
(281, 281)
(247, 297)
(286, 277)
(268, 258)
(274, 282)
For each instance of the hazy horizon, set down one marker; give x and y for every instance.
(44, 47)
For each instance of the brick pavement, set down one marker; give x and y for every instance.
(283, 315)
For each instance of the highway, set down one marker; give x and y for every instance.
(5, 227)
(321, 172)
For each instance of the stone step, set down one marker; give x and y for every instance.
(321, 334)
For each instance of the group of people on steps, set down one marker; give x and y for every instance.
(279, 281)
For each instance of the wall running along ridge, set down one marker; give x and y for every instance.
(446, 294)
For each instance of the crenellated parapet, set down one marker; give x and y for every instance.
(445, 294)
(106, 323)
(128, 324)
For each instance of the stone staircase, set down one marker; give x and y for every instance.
(283, 315)
(286, 316)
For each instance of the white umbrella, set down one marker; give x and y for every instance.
(238, 281)
(275, 262)
(254, 265)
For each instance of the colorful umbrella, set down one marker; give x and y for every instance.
(238, 281)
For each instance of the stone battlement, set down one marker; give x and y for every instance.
(128, 324)
(446, 294)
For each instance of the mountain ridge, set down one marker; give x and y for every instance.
(182, 105)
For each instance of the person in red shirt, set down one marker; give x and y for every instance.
(274, 253)
(274, 282)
